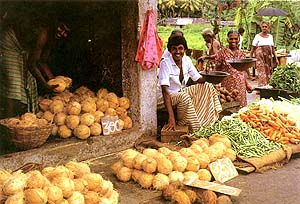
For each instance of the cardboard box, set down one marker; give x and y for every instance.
(173, 135)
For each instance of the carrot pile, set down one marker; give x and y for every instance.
(274, 126)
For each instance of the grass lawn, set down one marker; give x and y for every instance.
(192, 34)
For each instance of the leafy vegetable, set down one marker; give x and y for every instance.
(286, 77)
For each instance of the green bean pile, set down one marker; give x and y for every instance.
(245, 141)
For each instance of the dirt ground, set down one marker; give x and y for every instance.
(274, 186)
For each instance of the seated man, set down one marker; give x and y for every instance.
(197, 105)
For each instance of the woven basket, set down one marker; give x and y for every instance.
(25, 138)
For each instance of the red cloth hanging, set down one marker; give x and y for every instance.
(149, 49)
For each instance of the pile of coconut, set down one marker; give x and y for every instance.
(158, 168)
(73, 183)
(80, 113)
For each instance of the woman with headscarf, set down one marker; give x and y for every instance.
(236, 79)
(213, 46)
(263, 48)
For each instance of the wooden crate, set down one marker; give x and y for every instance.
(173, 135)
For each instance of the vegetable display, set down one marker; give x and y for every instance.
(274, 126)
(286, 77)
(246, 141)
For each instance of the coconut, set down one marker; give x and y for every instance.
(95, 129)
(87, 119)
(114, 198)
(169, 191)
(102, 105)
(88, 106)
(59, 118)
(82, 131)
(47, 171)
(4, 175)
(174, 154)
(76, 198)
(95, 181)
(160, 181)
(61, 85)
(150, 152)
(13, 122)
(41, 122)
(204, 174)
(127, 122)
(17, 198)
(112, 99)
(81, 90)
(28, 116)
(14, 184)
(121, 112)
(98, 115)
(219, 138)
(116, 166)
(73, 108)
(35, 196)
(206, 196)
(35, 179)
(79, 169)
(179, 163)
(191, 194)
(40, 114)
(196, 148)
(192, 164)
(124, 174)
(102, 92)
(56, 106)
(124, 102)
(138, 161)
(186, 152)
(146, 180)
(127, 157)
(149, 165)
(135, 174)
(44, 104)
(59, 171)
(231, 154)
(190, 176)
(48, 116)
(67, 80)
(110, 111)
(65, 184)
(54, 194)
(204, 160)
(64, 201)
(224, 199)
(159, 156)
(181, 197)
(164, 166)
(64, 132)
(203, 143)
(91, 197)
(219, 148)
(176, 176)
(212, 154)
(54, 130)
(81, 185)
(164, 150)
(72, 121)
(107, 189)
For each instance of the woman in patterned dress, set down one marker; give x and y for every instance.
(236, 79)
(263, 47)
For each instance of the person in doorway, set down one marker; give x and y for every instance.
(241, 32)
(213, 46)
(197, 105)
(50, 39)
(264, 51)
(236, 79)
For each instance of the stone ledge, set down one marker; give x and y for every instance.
(60, 152)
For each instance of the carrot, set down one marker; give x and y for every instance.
(273, 124)
(294, 140)
(291, 122)
(265, 117)
(273, 136)
(283, 119)
(243, 116)
(290, 135)
(281, 139)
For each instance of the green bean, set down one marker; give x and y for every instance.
(246, 141)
